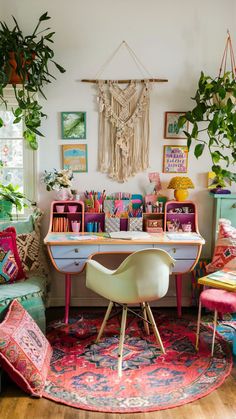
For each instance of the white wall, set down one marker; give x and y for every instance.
(174, 40)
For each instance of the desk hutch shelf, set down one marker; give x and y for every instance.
(177, 216)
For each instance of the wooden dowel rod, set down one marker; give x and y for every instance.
(126, 81)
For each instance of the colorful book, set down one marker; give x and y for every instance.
(225, 275)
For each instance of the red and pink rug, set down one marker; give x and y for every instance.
(84, 374)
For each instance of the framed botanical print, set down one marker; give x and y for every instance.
(175, 159)
(171, 126)
(73, 125)
(74, 157)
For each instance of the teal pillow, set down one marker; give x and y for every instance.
(22, 226)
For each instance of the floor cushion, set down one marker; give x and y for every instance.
(25, 352)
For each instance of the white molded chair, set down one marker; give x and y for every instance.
(141, 278)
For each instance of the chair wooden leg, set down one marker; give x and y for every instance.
(154, 326)
(198, 325)
(214, 333)
(122, 337)
(145, 324)
(109, 308)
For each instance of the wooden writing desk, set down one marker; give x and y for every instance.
(69, 252)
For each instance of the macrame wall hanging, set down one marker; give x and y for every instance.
(124, 126)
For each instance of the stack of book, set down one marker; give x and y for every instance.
(225, 275)
(60, 224)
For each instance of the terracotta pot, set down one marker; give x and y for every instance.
(14, 77)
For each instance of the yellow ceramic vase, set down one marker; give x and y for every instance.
(181, 194)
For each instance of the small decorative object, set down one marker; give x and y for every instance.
(181, 184)
(154, 226)
(172, 129)
(73, 125)
(58, 180)
(75, 157)
(60, 208)
(175, 159)
(72, 208)
(187, 227)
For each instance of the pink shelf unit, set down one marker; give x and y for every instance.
(181, 216)
(65, 213)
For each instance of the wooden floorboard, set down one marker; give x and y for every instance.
(220, 404)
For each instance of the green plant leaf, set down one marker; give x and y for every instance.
(44, 17)
(199, 150)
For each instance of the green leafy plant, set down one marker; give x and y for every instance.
(12, 194)
(213, 124)
(29, 57)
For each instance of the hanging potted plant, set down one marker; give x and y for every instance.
(24, 63)
(213, 120)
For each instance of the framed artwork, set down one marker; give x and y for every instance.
(74, 157)
(73, 125)
(175, 159)
(171, 126)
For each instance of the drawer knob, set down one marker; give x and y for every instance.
(234, 205)
(76, 263)
(76, 250)
(174, 250)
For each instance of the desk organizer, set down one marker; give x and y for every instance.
(112, 224)
(135, 224)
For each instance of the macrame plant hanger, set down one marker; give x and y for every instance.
(123, 147)
(228, 50)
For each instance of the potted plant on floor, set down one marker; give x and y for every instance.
(213, 120)
(24, 63)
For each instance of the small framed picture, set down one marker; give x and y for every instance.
(171, 129)
(73, 125)
(74, 157)
(175, 159)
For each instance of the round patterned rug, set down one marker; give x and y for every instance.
(84, 374)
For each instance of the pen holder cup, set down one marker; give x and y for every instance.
(75, 226)
(112, 224)
(135, 224)
(89, 227)
(187, 228)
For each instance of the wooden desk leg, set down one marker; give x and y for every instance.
(67, 296)
(178, 287)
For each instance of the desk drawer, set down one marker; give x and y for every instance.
(178, 251)
(71, 252)
(182, 266)
(124, 247)
(70, 265)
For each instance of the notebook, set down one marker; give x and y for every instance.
(225, 275)
(128, 235)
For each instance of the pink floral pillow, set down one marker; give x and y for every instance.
(8, 250)
(225, 250)
(25, 352)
